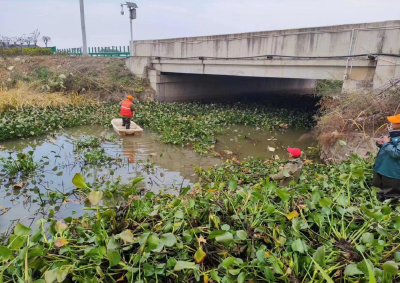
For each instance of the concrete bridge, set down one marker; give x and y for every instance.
(365, 56)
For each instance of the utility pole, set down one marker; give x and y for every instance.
(132, 15)
(84, 51)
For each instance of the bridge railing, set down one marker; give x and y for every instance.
(110, 51)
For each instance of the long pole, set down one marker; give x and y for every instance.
(131, 31)
(131, 44)
(84, 51)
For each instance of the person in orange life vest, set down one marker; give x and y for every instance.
(127, 111)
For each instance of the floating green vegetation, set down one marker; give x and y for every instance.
(236, 226)
(196, 125)
(96, 156)
(18, 163)
(87, 142)
(32, 121)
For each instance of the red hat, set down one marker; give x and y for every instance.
(296, 152)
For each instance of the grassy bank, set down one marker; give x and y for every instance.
(341, 115)
(235, 226)
(104, 78)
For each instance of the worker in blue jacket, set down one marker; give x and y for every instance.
(387, 164)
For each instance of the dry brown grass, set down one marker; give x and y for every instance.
(23, 96)
(358, 112)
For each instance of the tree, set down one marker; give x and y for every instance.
(35, 36)
(14, 40)
(28, 40)
(46, 39)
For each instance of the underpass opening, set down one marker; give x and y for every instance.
(178, 87)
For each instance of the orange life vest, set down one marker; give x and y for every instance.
(126, 108)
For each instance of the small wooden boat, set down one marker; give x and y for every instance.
(122, 131)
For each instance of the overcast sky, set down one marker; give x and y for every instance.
(60, 19)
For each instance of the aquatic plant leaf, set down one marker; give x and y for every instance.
(62, 273)
(319, 256)
(386, 210)
(367, 238)
(241, 277)
(95, 197)
(21, 230)
(137, 180)
(79, 181)
(225, 227)
(60, 227)
(37, 235)
(241, 234)
(179, 214)
(352, 269)
(292, 215)
(233, 184)
(397, 256)
(199, 256)
(153, 242)
(234, 272)
(168, 239)
(60, 242)
(5, 253)
(372, 214)
(315, 197)
(180, 265)
(148, 270)
(299, 246)
(366, 266)
(127, 236)
(390, 267)
(216, 233)
(227, 262)
(269, 275)
(171, 262)
(113, 257)
(16, 242)
(325, 202)
(50, 275)
(184, 191)
(283, 194)
(323, 272)
(226, 238)
(214, 275)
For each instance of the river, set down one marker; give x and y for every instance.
(163, 166)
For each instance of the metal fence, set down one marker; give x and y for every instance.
(111, 51)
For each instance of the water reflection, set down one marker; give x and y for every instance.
(162, 166)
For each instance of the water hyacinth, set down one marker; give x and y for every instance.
(234, 226)
(192, 124)
(196, 124)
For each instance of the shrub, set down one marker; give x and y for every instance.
(32, 51)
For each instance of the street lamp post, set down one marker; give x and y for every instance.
(132, 15)
(84, 51)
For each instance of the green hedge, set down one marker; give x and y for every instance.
(25, 51)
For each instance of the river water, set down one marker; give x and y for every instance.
(164, 167)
